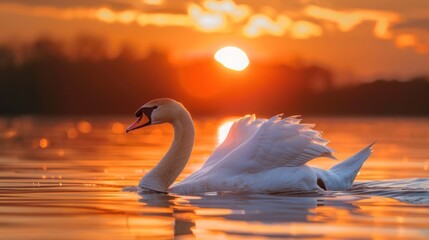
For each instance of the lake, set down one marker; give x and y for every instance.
(70, 178)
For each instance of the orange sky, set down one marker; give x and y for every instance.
(358, 38)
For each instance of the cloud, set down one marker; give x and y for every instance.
(102, 14)
(384, 21)
(218, 16)
(304, 29)
(153, 2)
(212, 16)
(398, 6)
(260, 24)
(215, 16)
(207, 21)
(237, 12)
(143, 19)
(347, 20)
(49, 12)
(420, 23)
(407, 40)
(112, 4)
(164, 20)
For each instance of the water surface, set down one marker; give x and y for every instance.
(63, 178)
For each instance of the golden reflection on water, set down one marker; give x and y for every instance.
(43, 143)
(118, 128)
(72, 187)
(84, 127)
(72, 133)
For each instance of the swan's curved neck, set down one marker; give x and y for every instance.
(172, 164)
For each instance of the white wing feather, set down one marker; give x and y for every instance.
(276, 143)
(241, 130)
(256, 145)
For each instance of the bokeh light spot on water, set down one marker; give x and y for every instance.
(118, 128)
(10, 134)
(84, 127)
(72, 133)
(43, 143)
(60, 152)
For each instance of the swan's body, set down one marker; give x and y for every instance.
(258, 155)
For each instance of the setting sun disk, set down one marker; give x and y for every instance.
(232, 57)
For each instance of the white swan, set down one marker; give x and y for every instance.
(258, 155)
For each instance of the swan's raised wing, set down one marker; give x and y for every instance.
(241, 130)
(276, 143)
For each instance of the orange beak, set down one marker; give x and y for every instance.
(139, 123)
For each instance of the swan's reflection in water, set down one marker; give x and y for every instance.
(257, 215)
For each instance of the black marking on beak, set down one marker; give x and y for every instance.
(147, 111)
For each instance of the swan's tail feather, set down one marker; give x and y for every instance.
(349, 168)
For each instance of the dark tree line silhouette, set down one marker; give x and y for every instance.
(42, 78)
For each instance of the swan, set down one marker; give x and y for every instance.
(257, 156)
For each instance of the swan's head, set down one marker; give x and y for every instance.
(162, 110)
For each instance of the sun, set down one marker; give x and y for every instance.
(232, 57)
